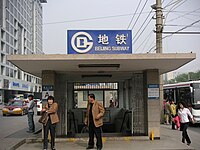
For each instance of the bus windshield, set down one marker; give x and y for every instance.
(196, 87)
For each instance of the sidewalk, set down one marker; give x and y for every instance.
(15, 140)
(170, 140)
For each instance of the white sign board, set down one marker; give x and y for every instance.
(153, 91)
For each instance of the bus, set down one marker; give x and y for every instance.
(185, 91)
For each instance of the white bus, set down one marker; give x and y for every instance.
(185, 91)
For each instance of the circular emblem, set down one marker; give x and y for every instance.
(81, 42)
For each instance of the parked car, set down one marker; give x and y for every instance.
(39, 107)
(40, 104)
(36, 101)
(15, 107)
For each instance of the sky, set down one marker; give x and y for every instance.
(62, 15)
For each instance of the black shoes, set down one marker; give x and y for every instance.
(188, 144)
(90, 147)
(183, 140)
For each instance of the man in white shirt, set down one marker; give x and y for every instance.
(30, 115)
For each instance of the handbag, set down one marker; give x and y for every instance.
(44, 118)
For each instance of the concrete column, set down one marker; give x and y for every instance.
(48, 77)
(56, 80)
(61, 97)
(153, 105)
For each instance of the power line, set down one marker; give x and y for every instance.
(163, 1)
(170, 3)
(146, 44)
(147, 37)
(175, 11)
(182, 29)
(176, 25)
(134, 14)
(88, 19)
(184, 15)
(139, 14)
(143, 28)
(174, 7)
(177, 32)
(143, 23)
(152, 48)
(187, 32)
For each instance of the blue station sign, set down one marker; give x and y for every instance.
(99, 42)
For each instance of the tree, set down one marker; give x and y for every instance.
(184, 77)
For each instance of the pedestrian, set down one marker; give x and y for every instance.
(176, 121)
(111, 103)
(167, 112)
(51, 108)
(184, 113)
(30, 115)
(94, 120)
(173, 113)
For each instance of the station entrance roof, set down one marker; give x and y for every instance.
(115, 65)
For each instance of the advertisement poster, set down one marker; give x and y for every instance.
(47, 90)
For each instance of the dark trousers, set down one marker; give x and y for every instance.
(31, 121)
(97, 131)
(173, 123)
(52, 128)
(185, 136)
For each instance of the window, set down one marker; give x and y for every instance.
(7, 71)
(2, 46)
(105, 93)
(98, 95)
(111, 98)
(11, 73)
(2, 70)
(3, 58)
(80, 99)
(3, 34)
(7, 49)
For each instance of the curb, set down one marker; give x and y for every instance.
(18, 145)
(104, 139)
(23, 141)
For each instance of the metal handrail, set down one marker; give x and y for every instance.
(127, 112)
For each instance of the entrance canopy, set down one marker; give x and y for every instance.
(100, 65)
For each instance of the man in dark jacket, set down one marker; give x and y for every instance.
(94, 119)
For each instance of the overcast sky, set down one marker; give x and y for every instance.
(62, 15)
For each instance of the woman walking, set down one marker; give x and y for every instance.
(184, 113)
(51, 109)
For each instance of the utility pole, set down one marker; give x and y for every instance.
(159, 26)
(159, 49)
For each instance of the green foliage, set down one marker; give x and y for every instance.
(184, 77)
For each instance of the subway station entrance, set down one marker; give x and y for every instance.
(127, 85)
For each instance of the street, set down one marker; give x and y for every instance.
(11, 124)
(194, 133)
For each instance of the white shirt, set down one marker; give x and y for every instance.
(30, 106)
(183, 114)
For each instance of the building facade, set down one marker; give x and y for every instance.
(21, 33)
